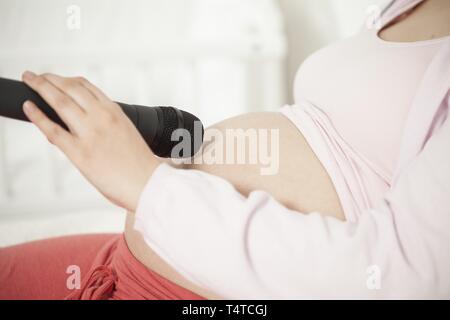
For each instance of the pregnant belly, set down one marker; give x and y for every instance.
(301, 184)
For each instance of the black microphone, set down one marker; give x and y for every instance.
(156, 125)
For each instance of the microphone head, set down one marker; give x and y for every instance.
(181, 133)
(194, 126)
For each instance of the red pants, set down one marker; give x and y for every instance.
(47, 269)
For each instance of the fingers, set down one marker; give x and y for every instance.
(92, 88)
(54, 133)
(74, 89)
(66, 108)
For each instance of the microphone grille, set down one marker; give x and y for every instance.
(168, 126)
(173, 119)
(192, 124)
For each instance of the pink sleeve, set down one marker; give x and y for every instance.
(255, 248)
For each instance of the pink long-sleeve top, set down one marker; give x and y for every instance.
(387, 152)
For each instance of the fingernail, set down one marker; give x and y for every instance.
(28, 75)
(28, 107)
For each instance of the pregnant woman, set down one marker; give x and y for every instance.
(357, 209)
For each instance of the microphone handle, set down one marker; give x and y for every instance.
(14, 93)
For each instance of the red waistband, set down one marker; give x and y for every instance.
(117, 274)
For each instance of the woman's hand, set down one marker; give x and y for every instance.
(101, 142)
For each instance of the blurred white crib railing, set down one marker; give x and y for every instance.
(212, 73)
